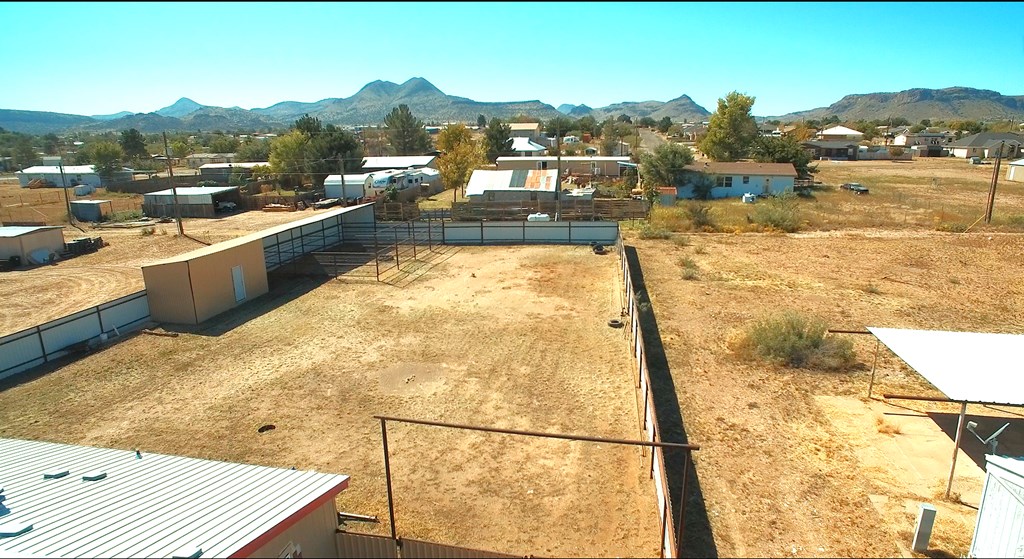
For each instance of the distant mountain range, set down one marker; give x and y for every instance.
(951, 103)
(427, 102)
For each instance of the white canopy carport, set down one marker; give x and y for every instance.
(968, 367)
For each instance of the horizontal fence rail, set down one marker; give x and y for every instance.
(43, 343)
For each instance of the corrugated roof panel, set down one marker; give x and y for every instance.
(965, 366)
(146, 507)
(19, 230)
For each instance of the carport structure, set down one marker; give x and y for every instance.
(967, 367)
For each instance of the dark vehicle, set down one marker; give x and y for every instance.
(855, 187)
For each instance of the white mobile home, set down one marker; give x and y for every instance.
(72, 175)
(733, 180)
(77, 501)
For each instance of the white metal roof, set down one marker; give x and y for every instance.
(397, 162)
(483, 180)
(1017, 162)
(965, 366)
(17, 231)
(841, 131)
(193, 190)
(90, 202)
(525, 144)
(242, 165)
(55, 169)
(154, 506)
(572, 158)
(1008, 463)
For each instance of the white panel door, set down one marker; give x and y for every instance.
(239, 281)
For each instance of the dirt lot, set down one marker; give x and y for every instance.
(84, 281)
(800, 462)
(512, 337)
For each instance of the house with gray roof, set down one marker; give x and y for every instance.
(986, 144)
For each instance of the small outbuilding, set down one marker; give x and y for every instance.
(63, 500)
(999, 529)
(508, 186)
(91, 210)
(67, 176)
(23, 242)
(607, 166)
(1015, 170)
(527, 147)
(195, 201)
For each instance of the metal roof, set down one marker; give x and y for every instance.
(193, 190)
(241, 165)
(257, 236)
(397, 162)
(17, 230)
(744, 168)
(55, 169)
(1008, 463)
(965, 366)
(521, 126)
(984, 139)
(154, 506)
(483, 180)
(525, 144)
(840, 131)
(569, 159)
(1017, 162)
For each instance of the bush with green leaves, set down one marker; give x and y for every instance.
(780, 212)
(794, 340)
(700, 217)
(650, 232)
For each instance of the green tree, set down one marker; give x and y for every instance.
(588, 125)
(224, 144)
(309, 125)
(133, 145)
(497, 139)
(23, 153)
(666, 165)
(647, 122)
(788, 149)
(460, 155)
(406, 132)
(253, 150)
(926, 122)
(559, 125)
(106, 157)
(916, 128)
(51, 143)
(287, 157)
(731, 129)
(332, 151)
(664, 124)
(625, 118)
(180, 149)
(481, 121)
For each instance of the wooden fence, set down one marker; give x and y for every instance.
(576, 210)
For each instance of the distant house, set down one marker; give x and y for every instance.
(222, 171)
(72, 175)
(986, 144)
(577, 165)
(1015, 171)
(197, 160)
(383, 163)
(839, 133)
(529, 130)
(355, 186)
(923, 139)
(508, 186)
(834, 149)
(526, 147)
(732, 180)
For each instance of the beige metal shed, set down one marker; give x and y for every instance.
(22, 241)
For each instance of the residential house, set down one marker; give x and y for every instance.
(842, 150)
(197, 160)
(839, 133)
(923, 139)
(517, 185)
(986, 144)
(734, 179)
(529, 130)
(1015, 171)
(68, 175)
(607, 166)
(526, 147)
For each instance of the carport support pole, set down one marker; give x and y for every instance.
(387, 475)
(956, 445)
(871, 384)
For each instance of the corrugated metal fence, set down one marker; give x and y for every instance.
(351, 544)
(37, 345)
(645, 400)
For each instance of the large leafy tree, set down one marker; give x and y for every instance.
(333, 151)
(288, 157)
(588, 125)
(664, 124)
(310, 125)
(666, 165)
(50, 144)
(481, 121)
(133, 145)
(406, 132)
(252, 150)
(766, 149)
(180, 149)
(497, 139)
(731, 129)
(459, 156)
(224, 144)
(106, 157)
(560, 125)
(23, 152)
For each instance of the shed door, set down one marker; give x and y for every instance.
(239, 281)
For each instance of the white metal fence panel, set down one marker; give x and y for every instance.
(70, 330)
(124, 313)
(20, 351)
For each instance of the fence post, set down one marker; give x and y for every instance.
(481, 232)
(42, 346)
(412, 236)
(376, 255)
(398, 264)
(443, 241)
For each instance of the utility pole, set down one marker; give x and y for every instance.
(558, 176)
(64, 184)
(174, 188)
(992, 186)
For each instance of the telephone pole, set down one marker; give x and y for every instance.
(174, 188)
(64, 185)
(992, 186)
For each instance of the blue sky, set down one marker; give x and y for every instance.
(140, 57)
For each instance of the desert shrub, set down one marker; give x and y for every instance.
(649, 231)
(147, 231)
(126, 215)
(700, 217)
(681, 240)
(778, 212)
(793, 340)
(690, 269)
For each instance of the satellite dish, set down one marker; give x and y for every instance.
(991, 440)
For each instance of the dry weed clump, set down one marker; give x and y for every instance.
(885, 427)
(793, 340)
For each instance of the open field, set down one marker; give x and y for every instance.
(799, 462)
(38, 294)
(512, 337)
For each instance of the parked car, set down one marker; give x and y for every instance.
(855, 187)
(225, 206)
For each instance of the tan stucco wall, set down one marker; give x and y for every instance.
(314, 534)
(169, 293)
(212, 287)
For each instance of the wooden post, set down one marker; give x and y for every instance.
(956, 445)
(387, 475)
(873, 363)
(992, 188)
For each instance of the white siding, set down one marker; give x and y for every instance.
(999, 531)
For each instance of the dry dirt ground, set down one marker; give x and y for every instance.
(799, 462)
(34, 295)
(512, 337)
